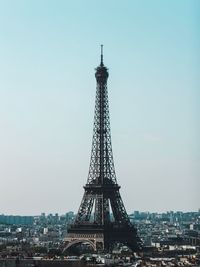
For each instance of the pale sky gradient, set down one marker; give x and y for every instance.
(48, 52)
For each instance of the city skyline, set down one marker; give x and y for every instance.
(47, 91)
(73, 213)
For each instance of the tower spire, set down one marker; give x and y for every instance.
(101, 55)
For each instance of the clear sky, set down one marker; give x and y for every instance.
(48, 52)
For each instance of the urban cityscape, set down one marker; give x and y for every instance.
(101, 233)
(46, 102)
(171, 238)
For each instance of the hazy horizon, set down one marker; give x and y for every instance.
(75, 212)
(48, 53)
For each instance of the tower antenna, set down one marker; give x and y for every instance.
(101, 54)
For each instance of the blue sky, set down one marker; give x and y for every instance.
(48, 52)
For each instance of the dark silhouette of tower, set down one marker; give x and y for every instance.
(102, 219)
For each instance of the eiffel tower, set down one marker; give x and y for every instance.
(102, 219)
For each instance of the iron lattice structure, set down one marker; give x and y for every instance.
(102, 219)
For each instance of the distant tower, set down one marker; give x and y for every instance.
(102, 219)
